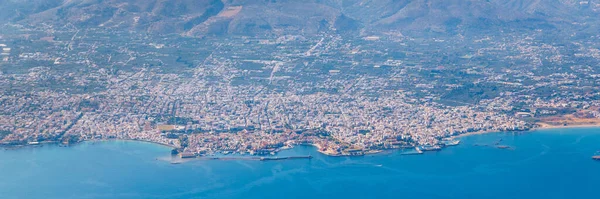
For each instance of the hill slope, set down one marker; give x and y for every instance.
(251, 17)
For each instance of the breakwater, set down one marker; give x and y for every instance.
(254, 158)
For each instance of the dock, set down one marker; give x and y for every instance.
(255, 158)
(187, 155)
(285, 158)
(429, 148)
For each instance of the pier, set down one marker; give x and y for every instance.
(255, 158)
(285, 158)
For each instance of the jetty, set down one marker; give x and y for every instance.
(251, 158)
(285, 158)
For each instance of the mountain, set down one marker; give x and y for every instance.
(253, 17)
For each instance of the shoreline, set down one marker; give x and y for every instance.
(128, 140)
(547, 126)
(83, 141)
(541, 127)
(327, 153)
(162, 144)
(473, 133)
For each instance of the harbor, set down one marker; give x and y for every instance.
(421, 149)
(460, 166)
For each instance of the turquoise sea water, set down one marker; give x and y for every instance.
(544, 164)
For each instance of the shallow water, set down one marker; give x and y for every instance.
(544, 164)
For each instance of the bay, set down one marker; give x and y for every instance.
(554, 163)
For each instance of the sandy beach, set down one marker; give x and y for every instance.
(541, 126)
(549, 126)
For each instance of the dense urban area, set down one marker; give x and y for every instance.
(345, 94)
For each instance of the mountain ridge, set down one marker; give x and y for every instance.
(253, 17)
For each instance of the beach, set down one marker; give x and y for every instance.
(540, 126)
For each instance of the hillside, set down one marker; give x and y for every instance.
(252, 17)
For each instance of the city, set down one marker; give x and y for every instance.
(345, 95)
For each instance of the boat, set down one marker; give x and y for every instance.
(417, 151)
(188, 155)
(596, 157)
(450, 142)
(430, 148)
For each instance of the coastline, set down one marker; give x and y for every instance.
(540, 126)
(166, 145)
(100, 140)
(473, 133)
(130, 140)
(548, 126)
(126, 140)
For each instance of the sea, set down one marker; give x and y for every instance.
(553, 163)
